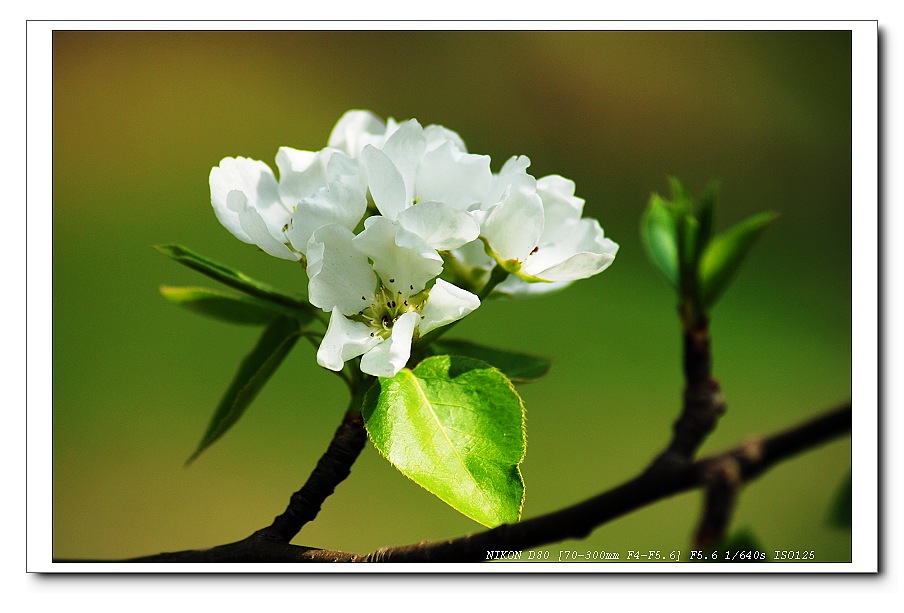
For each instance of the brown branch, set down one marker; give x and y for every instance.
(333, 468)
(654, 484)
(271, 544)
(723, 481)
(703, 401)
(658, 482)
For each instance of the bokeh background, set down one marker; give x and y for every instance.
(139, 118)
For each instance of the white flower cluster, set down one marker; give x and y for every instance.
(377, 216)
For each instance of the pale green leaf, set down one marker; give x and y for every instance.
(682, 200)
(723, 256)
(455, 426)
(687, 250)
(660, 238)
(234, 308)
(519, 367)
(706, 216)
(255, 370)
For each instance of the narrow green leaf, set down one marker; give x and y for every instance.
(234, 308)
(841, 512)
(233, 278)
(706, 216)
(687, 252)
(660, 238)
(725, 253)
(681, 197)
(694, 230)
(454, 426)
(255, 370)
(519, 367)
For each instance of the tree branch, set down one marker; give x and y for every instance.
(333, 468)
(654, 484)
(658, 482)
(723, 481)
(703, 401)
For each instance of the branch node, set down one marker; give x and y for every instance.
(722, 479)
(380, 555)
(722, 475)
(751, 451)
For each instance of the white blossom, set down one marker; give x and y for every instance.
(314, 189)
(427, 181)
(536, 231)
(245, 198)
(429, 207)
(377, 309)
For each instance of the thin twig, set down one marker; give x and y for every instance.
(332, 469)
(703, 401)
(658, 482)
(580, 520)
(723, 481)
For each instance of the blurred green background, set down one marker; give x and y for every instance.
(139, 118)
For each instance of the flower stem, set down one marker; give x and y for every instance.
(497, 276)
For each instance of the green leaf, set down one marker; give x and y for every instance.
(234, 308)
(519, 367)
(706, 216)
(255, 370)
(454, 426)
(659, 233)
(681, 197)
(687, 250)
(231, 277)
(682, 207)
(725, 253)
(841, 511)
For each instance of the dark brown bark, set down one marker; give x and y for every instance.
(659, 482)
(723, 482)
(703, 403)
(333, 468)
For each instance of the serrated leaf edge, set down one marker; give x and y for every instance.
(376, 390)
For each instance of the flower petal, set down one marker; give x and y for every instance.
(255, 180)
(438, 135)
(340, 276)
(579, 266)
(335, 203)
(561, 208)
(512, 176)
(517, 287)
(585, 253)
(402, 260)
(389, 357)
(474, 254)
(354, 130)
(344, 339)
(446, 303)
(256, 228)
(406, 149)
(439, 225)
(303, 173)
(385, 182)
(455, 178)
(514, 226)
